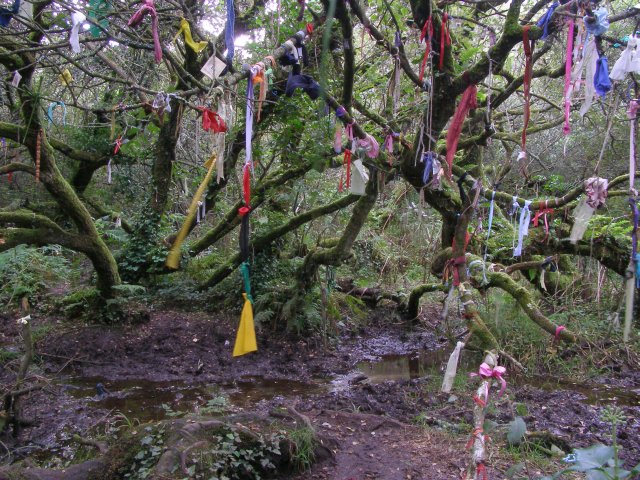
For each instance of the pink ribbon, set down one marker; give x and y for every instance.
(559, 330)
(486, 372)
(632, 113)
(370, 145)
(388, 143)
(567, 80)
(136, 20)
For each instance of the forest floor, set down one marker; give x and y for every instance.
(374, 392)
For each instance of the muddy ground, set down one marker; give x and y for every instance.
(388, 419)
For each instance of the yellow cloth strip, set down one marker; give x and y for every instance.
(188, 39)
(65, 77)
(173, 259)
(246, 337)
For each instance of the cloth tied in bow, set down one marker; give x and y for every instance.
(486, 372)
(596, 190)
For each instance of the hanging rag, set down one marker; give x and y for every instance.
(185, 28)
(598, 23)
(229, 30)
(65, 77)
(261, 78)
(632, 112)
(590, 60)
(346, 160)
(427, 37)
(566, 129)
(445, 38)
(370, 145)
(74, 38)
(212, 122)
(15, 81)
(99, 15)
(249, 123)
(305, 82)
(526, 84)
(52, 107)
(337, 138)
(625, 64)
(523, 229)
(467, 102)
(137, 18)
(581, 216)
(601, 81)
(546, 20)
(452, 366)
(427, 158)
(6, 14)
(486, 242)
(596, 190)
(246, 336)
(173, 259)
(359, 178)
(26, 10)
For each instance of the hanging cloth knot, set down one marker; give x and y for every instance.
(6, 14)
(370, 145)
(346, 161)
(566, 129)
(528, 73)
(597, 24)
(486, 244)
(596, 191)
(229, 30)
(627, 62)
(546, 20)
(445, 38)
(427, 158)
(211, 121)
(427, 37)
(185, 29)
(305, 82)
(137, 18)
(74, 37)
(99, 14)
(601, 80)
(388, 142)
(52, 107)
(467, 102)
(523, 229)
(543, 213)
(486, 372)
(451, 269)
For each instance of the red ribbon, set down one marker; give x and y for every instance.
(347, 160)
(528, 72)
(467, 103)
(309, 28)
(212, 121)
(543, 213)
(426, 36)
(445, 38)
(118, 145)
(452, 267)
(244, 211)
(482, 471)
(9, 177)
(246, 183)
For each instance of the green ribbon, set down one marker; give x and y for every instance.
(244, 269)
(99, 13)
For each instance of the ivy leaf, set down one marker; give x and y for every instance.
(517, 429)
(591, 457)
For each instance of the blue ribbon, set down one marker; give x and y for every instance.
(601, 80)
(546, 19)
(229, 31)
(428, 167)
(6, 14)
(52, 106)
(486, 245)
(601, 24)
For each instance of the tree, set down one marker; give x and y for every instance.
(136, 104)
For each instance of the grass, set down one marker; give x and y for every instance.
(304, 440)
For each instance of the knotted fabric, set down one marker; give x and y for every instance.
(370, 145)
(596, 191)
(427, 37)
(229, 30)
(486, 372)
(523, 228)
(625, 64)
(305, 82)
(528, 73)
(601, 81)
(211, 121)
(600, 23)
(6, 14)
(467, 102)
(137, 18)
(566, 129)
(74, 38)
(185, 28)
(545, 20)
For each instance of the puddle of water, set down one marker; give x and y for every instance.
(420, 364)
(144, 399)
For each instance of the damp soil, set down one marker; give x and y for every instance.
(375, 391)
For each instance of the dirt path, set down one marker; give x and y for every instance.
(182, 360)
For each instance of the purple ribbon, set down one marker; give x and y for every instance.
(249, 125)
(340, 111)
(428, 167)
